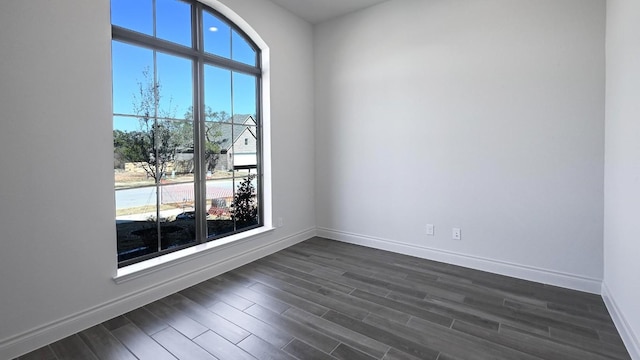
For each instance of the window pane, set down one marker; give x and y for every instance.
(217, 93)
(138, 154)
(133, 166)
(217, 36)
(245, 149)
(241, 50)
(174, 154)
(183, 162)
(218, 142)
(175, 92)
(219, 178)
(245, 202)
(223, 138)
(177, 215)
(136, 222)
(173, 21)
(145, 149)
(129, 65)
(136, 15)
(244, 95)
(219, 199)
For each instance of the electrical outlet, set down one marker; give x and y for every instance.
(430, 229)
(456, 234)
(280, 222)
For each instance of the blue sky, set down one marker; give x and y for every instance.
(175, 73)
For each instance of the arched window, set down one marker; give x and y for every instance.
(186, 87)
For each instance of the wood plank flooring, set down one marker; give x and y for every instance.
(323, 299)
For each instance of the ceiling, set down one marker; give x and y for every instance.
(317, 11)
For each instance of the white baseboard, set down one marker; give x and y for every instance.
(631, 340)
(35, 338)
(531, 273)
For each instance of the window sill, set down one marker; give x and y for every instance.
(162, 262)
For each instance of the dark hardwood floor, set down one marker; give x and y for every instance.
(324, 299)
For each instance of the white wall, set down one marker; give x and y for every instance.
(484, 115)
(58, 248)
(621, 287)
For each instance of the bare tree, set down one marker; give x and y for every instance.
(155, 144)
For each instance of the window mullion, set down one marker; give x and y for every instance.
(199, 129)
(259, 149)
(157, 143)
(199, 143)
(150, 42)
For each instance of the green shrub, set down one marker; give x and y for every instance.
(244, 210)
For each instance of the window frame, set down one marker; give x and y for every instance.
(199, 59)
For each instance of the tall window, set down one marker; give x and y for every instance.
(186, 127)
